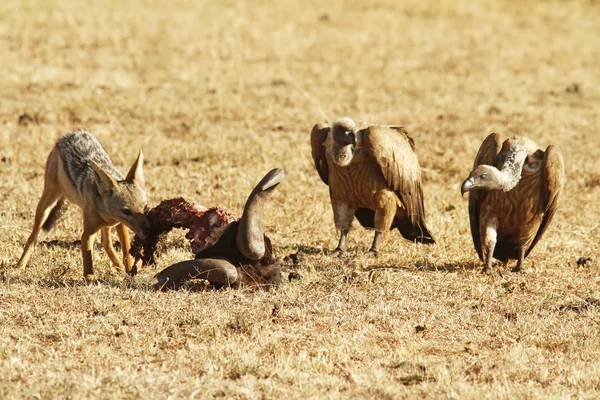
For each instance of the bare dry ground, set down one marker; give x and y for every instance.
(219, 92)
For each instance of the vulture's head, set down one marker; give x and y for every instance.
(484, 177)
(341, 142)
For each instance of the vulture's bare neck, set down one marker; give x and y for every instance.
(509, 174)
(342, 155)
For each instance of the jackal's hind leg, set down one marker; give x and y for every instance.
(107, 243)
(123, 233)
(48, 200)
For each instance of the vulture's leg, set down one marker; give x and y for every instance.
(489, 236)
(218, 271)
(519, 266)
(343, 216)
(384, 216)
(374, 250)
(340, 250)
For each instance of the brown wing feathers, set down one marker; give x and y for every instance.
(552, 184)
(393, 151)
(487, 154)
(317, 141)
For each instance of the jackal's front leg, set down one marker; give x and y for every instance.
(87, 248)
(107, 243)
(123, 233)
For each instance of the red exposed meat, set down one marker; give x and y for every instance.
(205, 227)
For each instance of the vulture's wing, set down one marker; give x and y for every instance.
(392, 149)
(406, 135)
(553, 176)
(487, 154)
(318, 135)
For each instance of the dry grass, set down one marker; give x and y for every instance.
(218, 93)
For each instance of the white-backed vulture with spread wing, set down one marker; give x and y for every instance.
(373, 174)
(514, 190)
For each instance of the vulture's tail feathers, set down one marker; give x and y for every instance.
(415, 233)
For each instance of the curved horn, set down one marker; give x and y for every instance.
(250, 237)
(217, 271)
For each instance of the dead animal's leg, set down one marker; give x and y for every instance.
(489, 236)
(374, 250)
(107, 243)
(123, 234)
(218, 271)
(519, 266)
(343, 216)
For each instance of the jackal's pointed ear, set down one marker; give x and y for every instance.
(106, 184)
(136, 173)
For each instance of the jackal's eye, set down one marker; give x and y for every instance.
(126, 212)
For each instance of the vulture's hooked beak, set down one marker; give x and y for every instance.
(346, 139)
(466, 186)
(353, 138)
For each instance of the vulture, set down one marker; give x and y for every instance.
(373, 174)
(514, 191)
(242, 256)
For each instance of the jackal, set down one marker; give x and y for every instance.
(80, 170)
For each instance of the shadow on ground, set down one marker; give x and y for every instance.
(75, 244)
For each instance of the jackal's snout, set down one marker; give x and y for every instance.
(145, 226)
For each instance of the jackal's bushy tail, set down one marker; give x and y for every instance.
(57, 211)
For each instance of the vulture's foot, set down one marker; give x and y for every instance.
(518, 268)
(372, 253)
(487, 270)
(338, 252)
